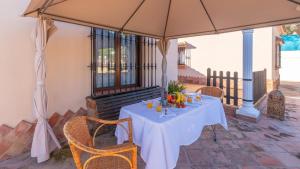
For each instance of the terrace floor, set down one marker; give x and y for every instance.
(267, 144)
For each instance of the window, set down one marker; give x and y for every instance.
(184, 53)
(128, 60)
(122, 62)
(105, 59)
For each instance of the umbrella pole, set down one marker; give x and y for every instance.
(163, 46)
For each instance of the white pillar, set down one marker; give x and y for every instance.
(247, 108)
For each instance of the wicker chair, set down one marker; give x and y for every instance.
(215, 92)
(211, 91)
(123, 156)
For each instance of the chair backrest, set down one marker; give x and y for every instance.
(76, 130)
(211, 91)
(77, 133)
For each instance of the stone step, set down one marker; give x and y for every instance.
(54, 119)
(4, 130)
(67, 116)
(81, 112)
(4, 146)
(58, 128)
(22, 127)
(15, 141)
(22, 144)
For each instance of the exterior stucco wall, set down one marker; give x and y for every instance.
(224, 52)
(67, 56)
(68, 76)
(275, 71)
(172, 57)
(290, 61)
(16, 63)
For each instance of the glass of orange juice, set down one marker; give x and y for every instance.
(189, 99)
(184, 98)
(159, 108)
(149, 105)
(198, 97)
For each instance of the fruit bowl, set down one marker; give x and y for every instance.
(177, 100)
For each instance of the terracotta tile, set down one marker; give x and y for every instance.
(183, 166)
(271, 147)
(81, 112)
(4, 130)
(268, 160)
(252, 147)
(229, 144)
(220, 159)
(240, 157)
(183, 157)
(200, 157)
(287, 159)
(68, 115)
(54, 119)
(22, 127)
(4, 146)
(253, 167)
(290, 147)
(238, 135)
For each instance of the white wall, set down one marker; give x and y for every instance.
(16, 58)
(172, 58)
(67, 57)
(290, 66)
(225, 51)
(68, 77)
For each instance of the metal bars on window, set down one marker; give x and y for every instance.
(122, 62)
(104, 58)
(128, 60)
(148, 61)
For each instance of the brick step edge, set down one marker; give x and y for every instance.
(16, 141)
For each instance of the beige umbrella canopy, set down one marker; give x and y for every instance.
(164, 19)
(170, 18)
(167, 19)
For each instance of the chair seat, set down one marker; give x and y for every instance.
(112, 161)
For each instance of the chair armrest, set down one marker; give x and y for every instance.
(198, 90)
(106, 151)
(113, 122)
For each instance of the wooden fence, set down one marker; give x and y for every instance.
(218, 80)
(259, 84)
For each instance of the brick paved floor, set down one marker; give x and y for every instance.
(269, 144)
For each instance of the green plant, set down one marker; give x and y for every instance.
(174, 87)
(62, 154)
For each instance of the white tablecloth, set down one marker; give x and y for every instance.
(160, 138)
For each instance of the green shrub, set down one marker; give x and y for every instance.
(175, 86)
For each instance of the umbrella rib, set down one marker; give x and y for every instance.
(45, 6)
(236, 28)
(212, 23)
(167, 19)
(30, 12)
(91, 24)
(294, 1)
(131, 16)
